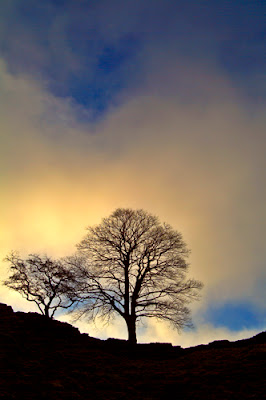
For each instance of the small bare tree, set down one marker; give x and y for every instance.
(135, 267)
(41, 280)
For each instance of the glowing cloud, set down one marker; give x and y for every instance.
(199, 165)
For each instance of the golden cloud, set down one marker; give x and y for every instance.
(198, 166)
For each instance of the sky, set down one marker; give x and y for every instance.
(158, 105)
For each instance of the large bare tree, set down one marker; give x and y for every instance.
(41, 280)
(134, 266)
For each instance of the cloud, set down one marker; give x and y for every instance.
(193, 156)
(184, 138)
(72, 37)
(204, 334)
(155, 331)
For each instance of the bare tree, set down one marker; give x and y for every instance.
(41, 280)
(133, 266)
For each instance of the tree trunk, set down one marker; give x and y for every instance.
(46, 311)
(126, 296)
(131, 327)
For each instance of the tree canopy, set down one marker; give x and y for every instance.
(41, 280)
(134, 266)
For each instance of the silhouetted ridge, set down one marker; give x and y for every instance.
(44, 358)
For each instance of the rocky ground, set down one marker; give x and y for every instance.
(48, 359)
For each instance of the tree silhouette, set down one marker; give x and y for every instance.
(133, 266)
(41, 280)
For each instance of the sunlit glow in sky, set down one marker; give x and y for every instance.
(148, 105)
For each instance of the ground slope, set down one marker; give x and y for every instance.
(48, 359)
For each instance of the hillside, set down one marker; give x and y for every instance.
(48, 359)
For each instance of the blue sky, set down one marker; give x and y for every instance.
(163, 99)
(234, 316)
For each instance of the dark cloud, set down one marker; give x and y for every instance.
(95, 50)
